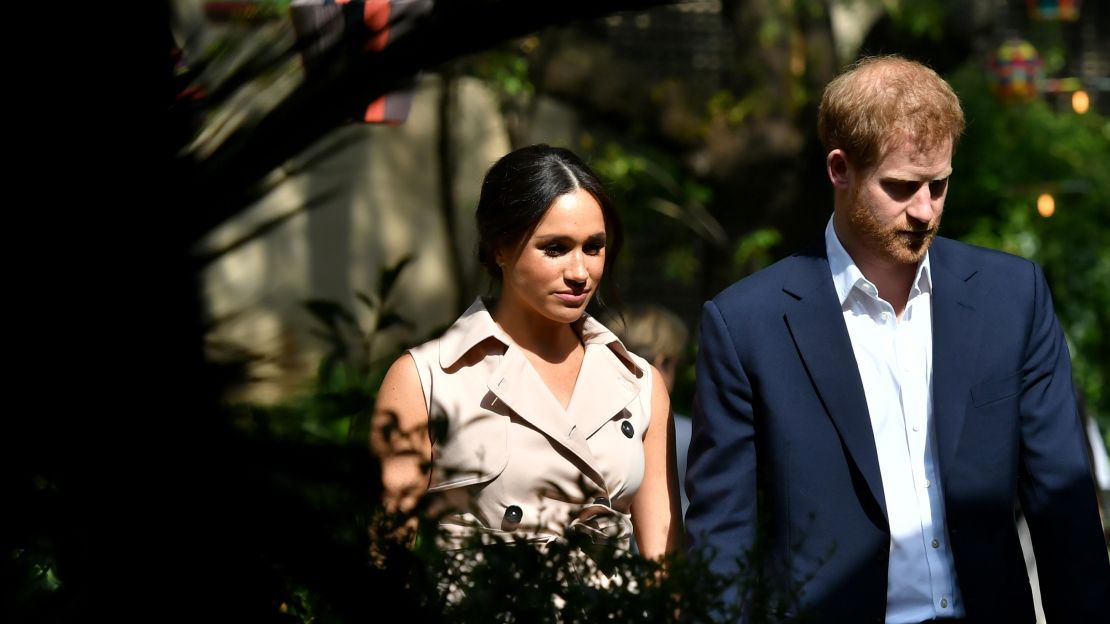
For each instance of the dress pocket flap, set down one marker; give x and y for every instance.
(474, 453)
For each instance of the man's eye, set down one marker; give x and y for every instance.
(937, 187)
(900, 189)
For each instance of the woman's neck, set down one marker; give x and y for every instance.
(550, 340)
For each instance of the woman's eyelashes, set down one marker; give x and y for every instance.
(555, 249)
(590, 248)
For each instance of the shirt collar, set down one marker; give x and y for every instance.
(846, 275)
(477, 324)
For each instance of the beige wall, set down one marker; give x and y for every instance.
(355, 203)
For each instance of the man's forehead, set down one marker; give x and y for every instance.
(909, 142)
(913, 155)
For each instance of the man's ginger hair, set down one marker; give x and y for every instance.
(881, 101)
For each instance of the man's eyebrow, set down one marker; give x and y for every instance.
(901, 177)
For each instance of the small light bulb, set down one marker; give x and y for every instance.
(1046, 205)
(1080, 101)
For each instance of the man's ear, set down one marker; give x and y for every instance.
(836, 164)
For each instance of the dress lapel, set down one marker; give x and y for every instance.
(517, 384)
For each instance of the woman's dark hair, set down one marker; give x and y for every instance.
(518, 190)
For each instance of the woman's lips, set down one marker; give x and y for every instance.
(572, 297)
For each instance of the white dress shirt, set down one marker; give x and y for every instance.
(895, 361)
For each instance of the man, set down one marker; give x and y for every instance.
(870, 411)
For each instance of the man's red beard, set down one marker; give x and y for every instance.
(904, 242)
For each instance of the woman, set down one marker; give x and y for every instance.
(539, 418)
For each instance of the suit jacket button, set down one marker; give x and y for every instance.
(627, 429)
(513, 514)
(601, 500)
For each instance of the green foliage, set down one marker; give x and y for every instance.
(923, 19)
(1012, 153)
(735, 110)
(648, 184)
(753, 251)
(571, 579)
(504, 69)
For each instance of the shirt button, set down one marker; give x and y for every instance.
(885, 316)
(513, 514)
(917, 427)
(943, 603)
(627, 429)
(927, 483)
(936, 543)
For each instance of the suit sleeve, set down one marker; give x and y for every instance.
(721, 473)
(1056, 489)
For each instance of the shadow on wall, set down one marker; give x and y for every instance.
(356, 203)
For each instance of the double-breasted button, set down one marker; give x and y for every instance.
(627, 429)
(601, 500)
(513, 514)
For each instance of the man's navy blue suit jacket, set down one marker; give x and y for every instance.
(782, 443)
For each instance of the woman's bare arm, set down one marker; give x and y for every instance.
(656, 510)
(399, 436)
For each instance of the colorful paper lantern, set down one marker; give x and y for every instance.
(1017, 70)
(1054, 10)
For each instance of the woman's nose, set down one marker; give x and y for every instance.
(576, 268)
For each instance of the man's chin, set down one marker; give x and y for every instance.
(907, 255)
(910, 249)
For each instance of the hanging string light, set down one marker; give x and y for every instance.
(1080, 101)
(1046, 205)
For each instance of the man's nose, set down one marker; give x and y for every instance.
(921, 205)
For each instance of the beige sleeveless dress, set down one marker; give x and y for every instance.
(508, 460)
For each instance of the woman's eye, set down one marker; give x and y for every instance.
(593, 249)
(554, 250)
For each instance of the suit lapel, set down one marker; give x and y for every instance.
(816, 324)
(955, 322)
